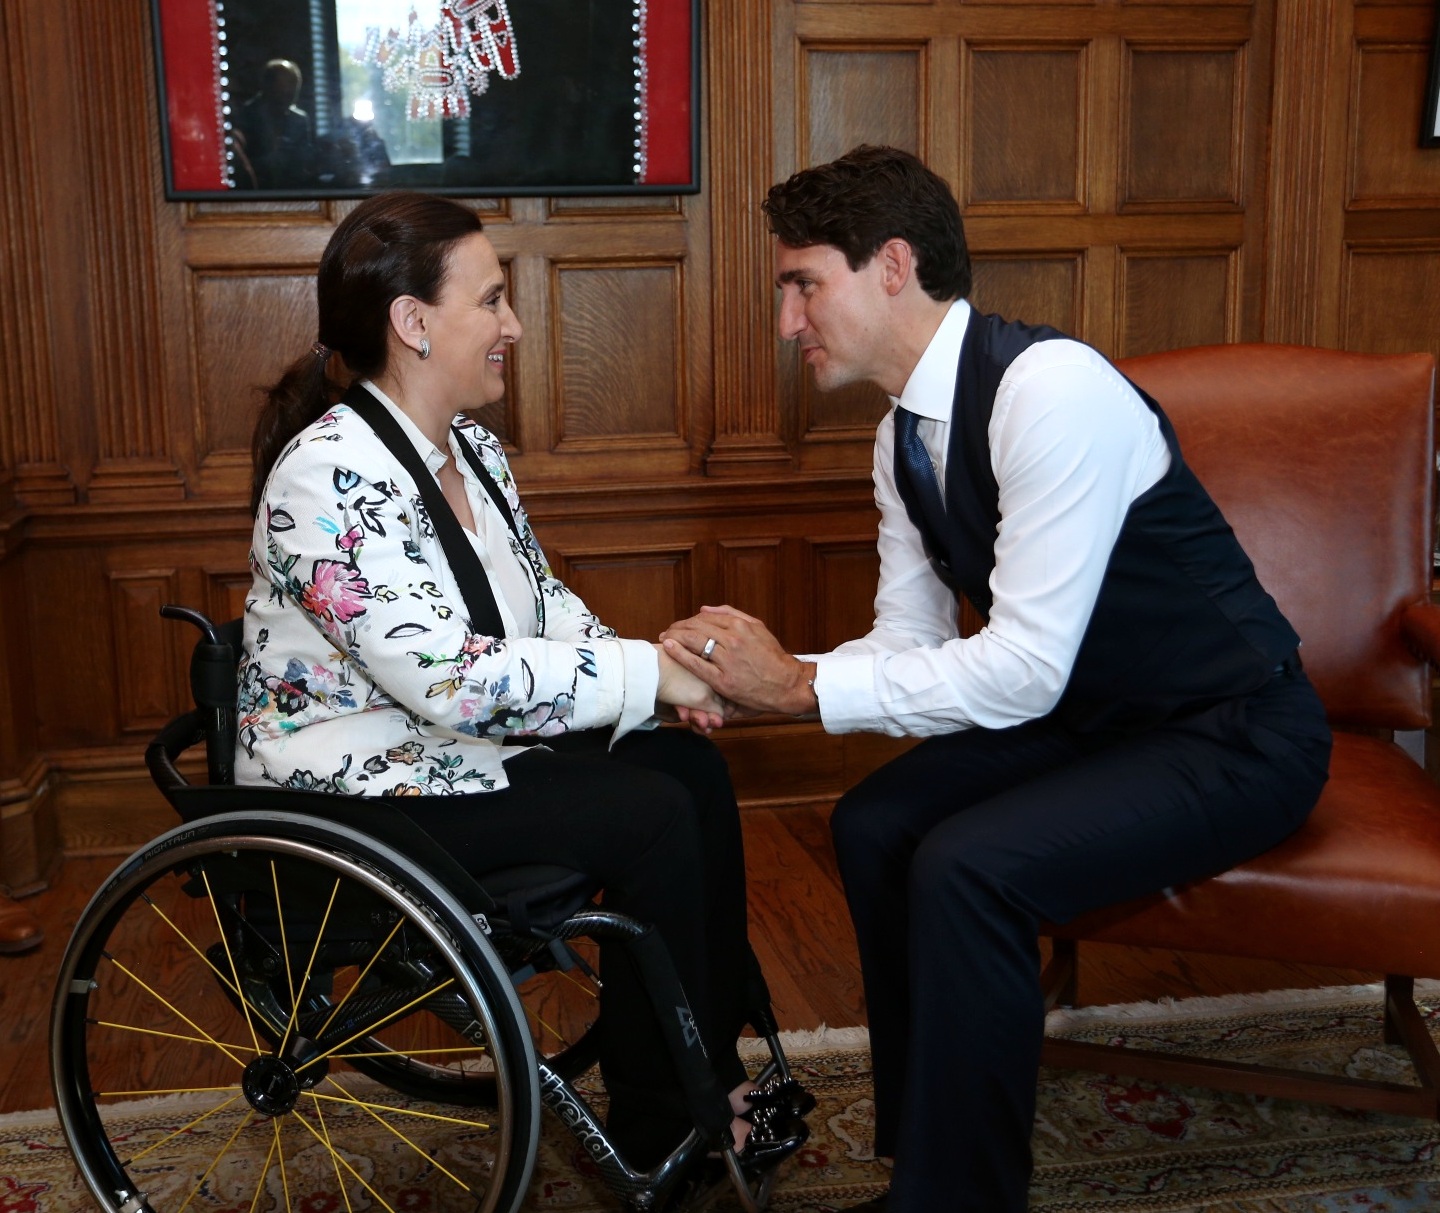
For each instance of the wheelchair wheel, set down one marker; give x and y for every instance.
(261, 971)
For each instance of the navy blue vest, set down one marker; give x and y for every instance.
(1181, 622)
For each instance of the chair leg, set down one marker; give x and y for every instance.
(1060, 980)
(1405, 1026)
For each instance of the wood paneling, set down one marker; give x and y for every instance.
(1040, 290)
(1376, 279)
(1027, 140)
(249, 326)
(858, 96)
(1389, 167)
(1141, 174)
(1185, 127)
(621, 355)
(1174, 300)
(639, 592)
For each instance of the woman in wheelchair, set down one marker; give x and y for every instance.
(405, 640)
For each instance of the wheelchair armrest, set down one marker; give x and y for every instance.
(169, 743)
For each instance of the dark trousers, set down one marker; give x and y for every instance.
(654, 820)
(955, 852)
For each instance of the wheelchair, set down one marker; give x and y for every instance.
(346, 1012)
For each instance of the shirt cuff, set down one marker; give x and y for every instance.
(845, 691)
(640, 682)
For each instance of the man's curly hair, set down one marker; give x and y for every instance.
(871, 195)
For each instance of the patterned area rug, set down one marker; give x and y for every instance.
(1102, 1145)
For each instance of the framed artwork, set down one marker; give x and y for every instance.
(1430, 122)
(343, 98)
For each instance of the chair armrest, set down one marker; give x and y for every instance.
(1420, 625)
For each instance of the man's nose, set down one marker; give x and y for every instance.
(792, 318)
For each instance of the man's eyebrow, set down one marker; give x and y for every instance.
(791, 275)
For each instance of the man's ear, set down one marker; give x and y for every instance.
(407, 319)
(897, 264)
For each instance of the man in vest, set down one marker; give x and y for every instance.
(1132, 716)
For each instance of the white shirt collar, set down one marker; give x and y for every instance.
(930, 390)
(433, 456)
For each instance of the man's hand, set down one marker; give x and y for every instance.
(746, 665)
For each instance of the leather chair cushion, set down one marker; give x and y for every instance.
(1357, 886)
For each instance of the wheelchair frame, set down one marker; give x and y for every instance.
(489, 937)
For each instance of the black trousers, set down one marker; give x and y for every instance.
(955, 852)
(654, 820)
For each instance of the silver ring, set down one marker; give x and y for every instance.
(708, 649)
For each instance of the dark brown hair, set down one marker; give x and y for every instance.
(871, 195)
(390, 245)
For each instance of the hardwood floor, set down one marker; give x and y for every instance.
(799, 925)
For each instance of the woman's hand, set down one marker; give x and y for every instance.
(681, 696)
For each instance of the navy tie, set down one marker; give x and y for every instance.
(913, 460)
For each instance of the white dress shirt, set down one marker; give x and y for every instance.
(1071, 445)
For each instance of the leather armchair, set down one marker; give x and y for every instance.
(1324, 464)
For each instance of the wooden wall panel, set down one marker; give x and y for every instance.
(750, 575)
(1376, 280)
(249, 326)
(858, 96)
(1186, 128)
(1176, 300)
(1389, 168)
(620, 354)
(1040, 290)
(147, 675)
(639, 592)
(1027, 141)
(844, 573)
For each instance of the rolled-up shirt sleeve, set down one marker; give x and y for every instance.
(1072, 445)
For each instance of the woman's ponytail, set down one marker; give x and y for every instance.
(302, 396)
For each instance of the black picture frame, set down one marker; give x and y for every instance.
(562, 97)
(1430, 120)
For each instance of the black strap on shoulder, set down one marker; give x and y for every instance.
(464, 563)
(488, 481)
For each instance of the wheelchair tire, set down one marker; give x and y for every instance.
(376, 972)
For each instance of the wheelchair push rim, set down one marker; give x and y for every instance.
(354, 967)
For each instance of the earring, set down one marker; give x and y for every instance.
(424, 350)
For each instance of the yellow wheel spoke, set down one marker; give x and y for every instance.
(215, 1162)
(334, 1158)
(234, 972)
(194, 1040)
(553, 1032)
(265, 1170)
(360, 1103)
(585, 986)
(174, 1010)
(379, 1023)
(355, 985)
(284, 944)
(385, 1124)
(182, 1129)
(284, 1178)
(309, 966)
(189, 943)
(163, 1091)
(311, 1130)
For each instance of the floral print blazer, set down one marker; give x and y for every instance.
(359, 673)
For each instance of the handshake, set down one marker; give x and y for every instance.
(724, 663)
